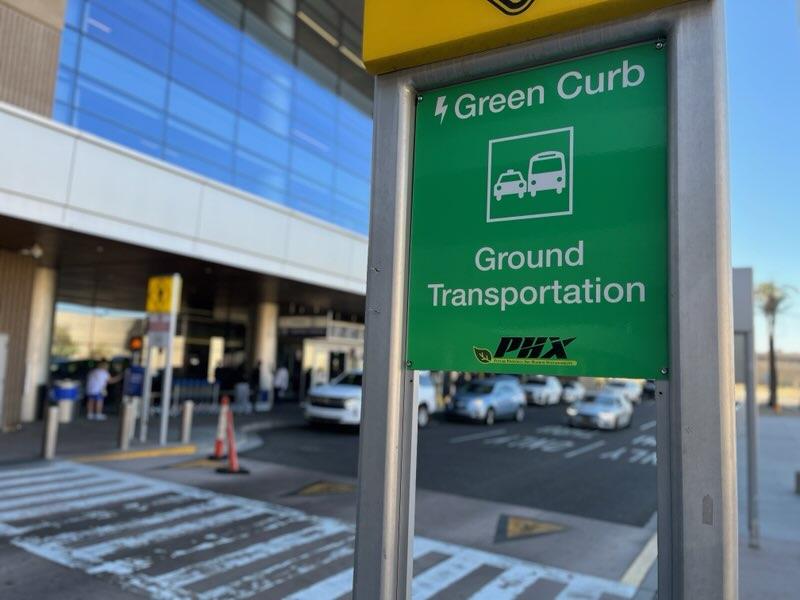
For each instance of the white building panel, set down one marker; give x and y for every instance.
(56, 175)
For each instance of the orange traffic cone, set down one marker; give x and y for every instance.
(233, 457)
(222, 428)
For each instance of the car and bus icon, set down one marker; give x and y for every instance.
(546, 171)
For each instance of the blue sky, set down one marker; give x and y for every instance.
(763, 41)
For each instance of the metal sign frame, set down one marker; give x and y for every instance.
(697, 511)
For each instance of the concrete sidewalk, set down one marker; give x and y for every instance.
(773, 570)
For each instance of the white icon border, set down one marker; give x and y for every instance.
(571, 176)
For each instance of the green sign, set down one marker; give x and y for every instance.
(539, 221)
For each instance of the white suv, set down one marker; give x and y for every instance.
(629, 389)
(542, 390)
(340, 400)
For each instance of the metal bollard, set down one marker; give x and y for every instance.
(50, 433)
(125, 425)
(186, 422)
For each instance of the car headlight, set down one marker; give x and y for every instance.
(477, 403)
(572, 412)
(352, 403)
(605, 416)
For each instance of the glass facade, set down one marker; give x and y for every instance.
(217, 90)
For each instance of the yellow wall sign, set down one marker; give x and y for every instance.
(400, 34)
(159, 293)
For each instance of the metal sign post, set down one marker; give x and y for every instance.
(697, 532)
(743, 326)
(163, 301)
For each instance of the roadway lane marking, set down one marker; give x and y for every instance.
(182, 577)
(584, 449)
(274, 575)
(648, 425)
(642, 563)
(443, 575)
(70, 494)
(187, 543)
(477, 436)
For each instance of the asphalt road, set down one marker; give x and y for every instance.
(538, 463)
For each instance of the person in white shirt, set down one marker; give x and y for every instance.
(96, 382)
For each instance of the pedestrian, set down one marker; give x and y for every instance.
(96, 383)
(281, 382)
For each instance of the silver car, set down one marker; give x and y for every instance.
(488, 400)
(604, 411)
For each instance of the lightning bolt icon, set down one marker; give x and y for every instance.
(441, 108)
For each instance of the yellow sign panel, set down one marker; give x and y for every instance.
(400, 34)
(159, 294)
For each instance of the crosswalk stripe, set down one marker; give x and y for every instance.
(342, 582)
(509, 585)
(98, 551)
(72, 537)
(108, 497)
(70, 494)
(332, 587)
(172, 529)
(435, 579)
(272, 576)
(22, 477)
(239, 558)
(78, 480)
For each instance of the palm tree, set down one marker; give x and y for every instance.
(773, 299)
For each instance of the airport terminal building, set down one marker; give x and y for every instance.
(225, 140)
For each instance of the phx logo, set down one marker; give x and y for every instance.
(533, 350)
(512, 7)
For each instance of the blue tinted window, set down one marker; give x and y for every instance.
(65, 85)
(115, 32)
(257, 169)
(189, 140)
(69, 48)
(116, 133)
(201, 112)
(74, 13)
(199, 78)
(264, 114)
(266, 88)
(312, 167)
(116, 107)
(204, 52)
(126, 75)
(261, 142)
(198, 165)
(180, 81)
(217, 31)
(143, 14)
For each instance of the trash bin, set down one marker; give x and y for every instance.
(65, 394)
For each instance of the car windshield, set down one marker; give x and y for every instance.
(505, 177)
(349, 379)
(479, 387)
(617, 384)
(546, 165)
(538, 382)
(605, 400)
(569, 384)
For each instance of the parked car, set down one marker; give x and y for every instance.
(340, 400)
(627, 388)
(573, 391)
(488, 400)
(607, 410)
(649, 390)
(542, 391)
